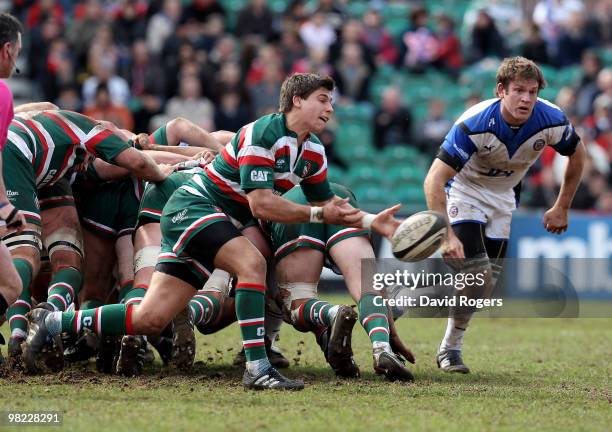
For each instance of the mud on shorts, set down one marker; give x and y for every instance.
(286, 238)
(111, 209)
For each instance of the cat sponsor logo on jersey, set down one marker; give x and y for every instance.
(259, 176)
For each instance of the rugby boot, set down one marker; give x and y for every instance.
(270, 379)
(163, 344)
(183, 341)
(80, 348)
(451, 361)
(14, 361)
(107, 354)
(339, 353)
(388, 364)
(36, 346)
(131, 356)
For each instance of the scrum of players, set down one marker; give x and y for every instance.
(133, 241)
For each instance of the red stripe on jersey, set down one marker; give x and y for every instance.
(283, 151)
(224, 187)
(241, 139)
(97, 139)
(252, 345)
(61, 123)
(313, 156)
(284, 184)
(43, 143)
(228, 158)
(316, 178)
(255, 160)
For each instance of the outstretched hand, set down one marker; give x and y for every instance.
(338, 211)
(385, 222)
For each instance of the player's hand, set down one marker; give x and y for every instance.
(556, 220)
(385, 223)
(339, 212)
(452, 250)
(14, 218)
(204, 157)
(142, 139)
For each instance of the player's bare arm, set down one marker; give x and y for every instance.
(437, 177)
(556, 219)
(265, 205)
(142, 165)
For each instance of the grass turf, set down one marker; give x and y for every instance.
(527, 374)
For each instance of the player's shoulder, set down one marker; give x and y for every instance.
(268, 129)
(547, 113)
(478, 116)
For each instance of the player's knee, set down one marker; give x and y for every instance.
(11, 287)
(179, 125)
(65, 247)
(252, 266)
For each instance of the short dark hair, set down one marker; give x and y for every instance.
(302, 85)
(10, 27)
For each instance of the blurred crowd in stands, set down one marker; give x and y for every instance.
(220, 63)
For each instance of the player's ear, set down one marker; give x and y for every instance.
(297, 101)
(499, 90)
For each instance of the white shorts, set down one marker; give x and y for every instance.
(461, 209)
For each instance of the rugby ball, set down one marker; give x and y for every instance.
(419, 236)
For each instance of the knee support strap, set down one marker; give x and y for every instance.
(66, 239)
(146, 257)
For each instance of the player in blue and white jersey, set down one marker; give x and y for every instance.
(475, 179)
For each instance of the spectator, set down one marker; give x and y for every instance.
(147, 85)
(230, 114)
(103, 109)
(41, 10)
(418, 46)
(41, 39)
(448, 56)
(574, 39)
(82, 32)
(103, 50)
(59, 69)
(550, 16)
(191, 105)
(485, 40)
(264, 94)
(587, 89)
(229, 80)
(333, 12)
(434, 127)
(352, 74)
(392, 121)
(534, 46)
(162, 25)
(351, 34)
(200, 10)
(117, 87)
(291, 48)
(256, 19)
(129, 22)
(69, 99)
(377, 39)
(315, 62)
(317, 32)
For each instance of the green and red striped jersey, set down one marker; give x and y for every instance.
(49, 140)
(264, 155)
